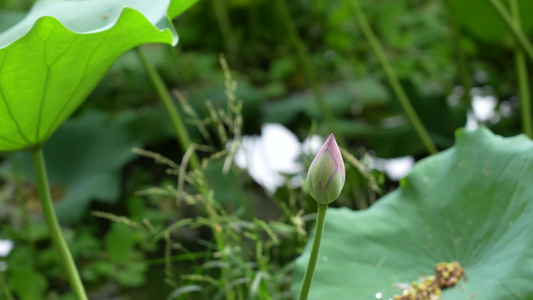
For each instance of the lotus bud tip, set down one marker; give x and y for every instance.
(326, 175)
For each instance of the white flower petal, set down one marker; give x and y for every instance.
(5, 247)
(282, 148)
(270, 155)
(395, 168)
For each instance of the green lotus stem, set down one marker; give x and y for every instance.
(391, 76)
(310, 73)
(181, 133)
(311, 265)
(521, 68)
(53, 225)
(513, 26)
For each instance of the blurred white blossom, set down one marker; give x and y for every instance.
(483, 111)
(395, 168)
(275, 152)
(5, 247)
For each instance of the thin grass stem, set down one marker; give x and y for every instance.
(53, 225)
(310, 73)
(521, 68)
(461, 61)
(221, 12)
(4, 289)
(185, 143)
(391, 76)
(178, 125)
(311, 265)
(514, 28)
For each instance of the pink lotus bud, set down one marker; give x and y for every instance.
(326, 175)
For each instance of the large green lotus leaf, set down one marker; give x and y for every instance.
(177, 7)
(472, 204)
(52, 59)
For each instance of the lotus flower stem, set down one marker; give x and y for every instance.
(523, 82)
(311, 265)
(391, 76)
(53, 225)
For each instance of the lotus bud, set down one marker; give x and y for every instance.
(326, 175)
